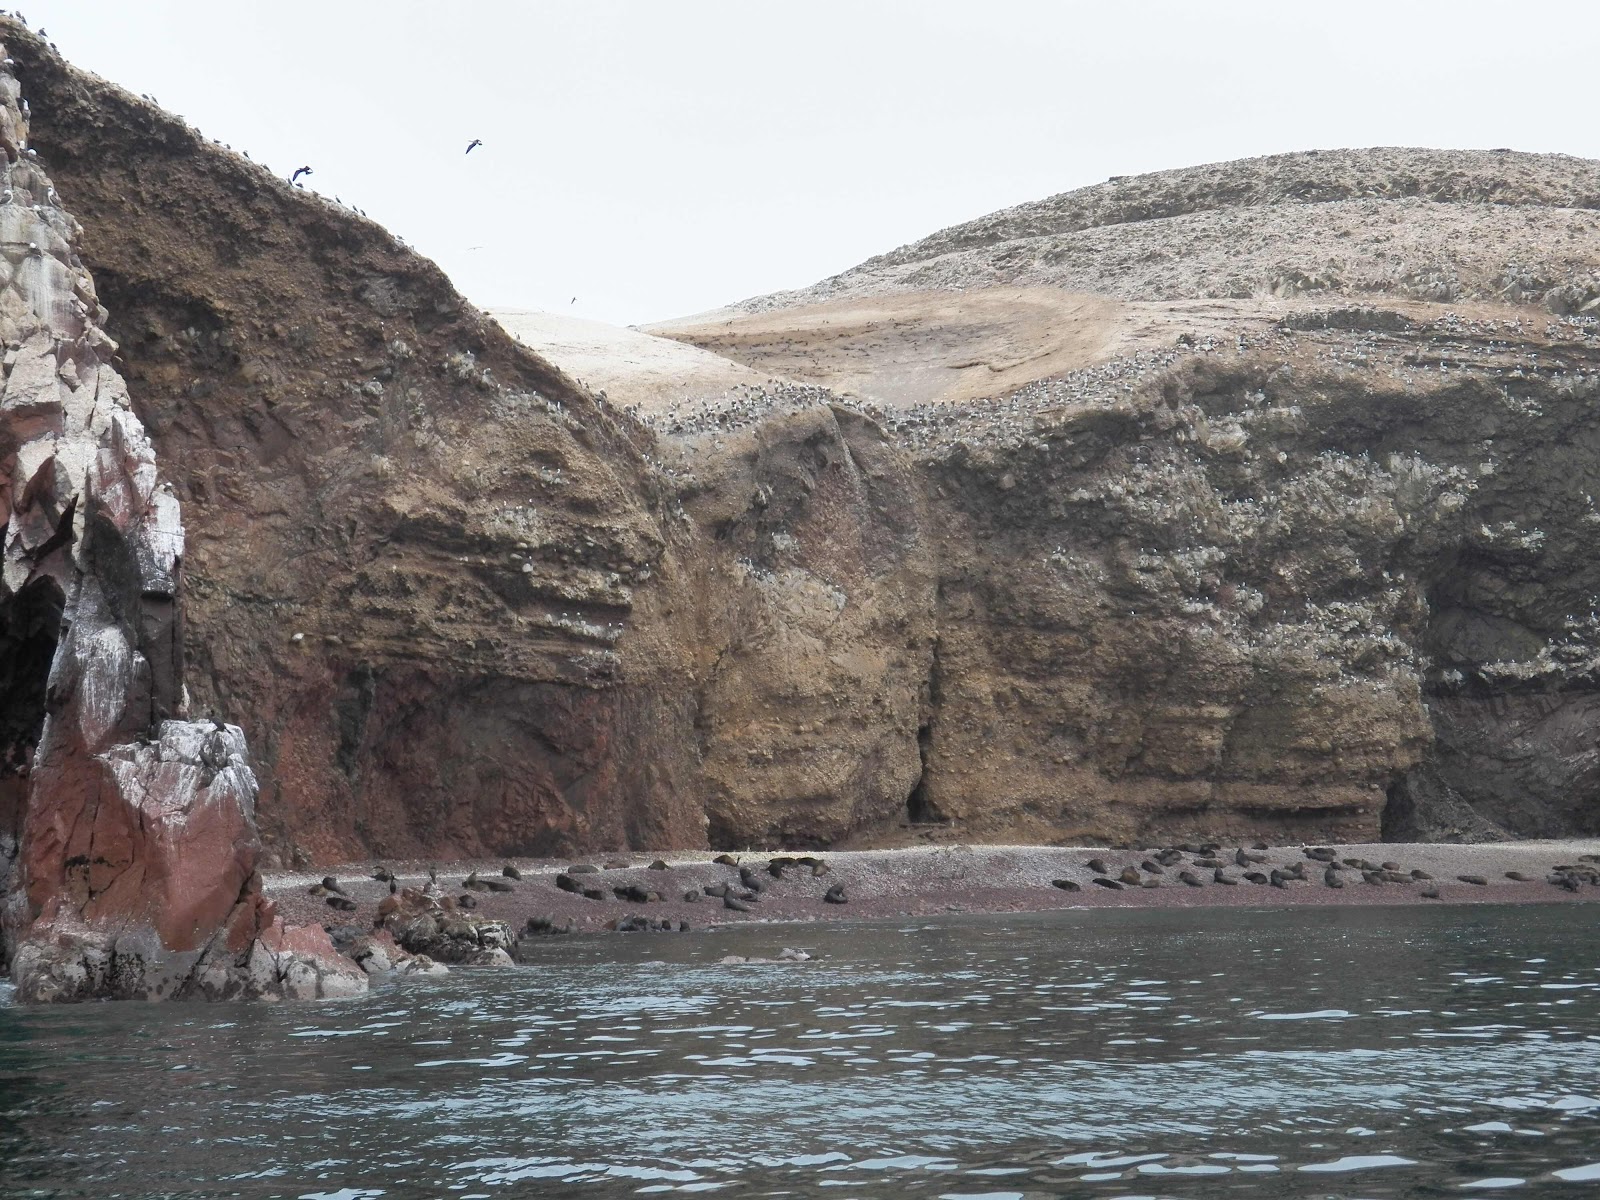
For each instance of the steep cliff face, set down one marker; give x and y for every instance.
(415, 551)
(128, 850)
(1243, 500)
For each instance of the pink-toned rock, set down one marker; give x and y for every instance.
(128, 844)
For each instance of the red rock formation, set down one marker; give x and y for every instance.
(131, 856)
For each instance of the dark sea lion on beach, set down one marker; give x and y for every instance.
(1429, 893)
(751, 880)
(342, 903)
(1396, 877)
(1278, 879)
(1190, 878)
(510, 872)
(632, 893)
(467, 901)
(1375, 878)
(1244, 858)
(1477, 879)
(382, 874)
(1169, 857)
(734, 904)
(1107, 883)
(593, 893)
(1152, 867)
(660, 864)
(1209, 863)
(1519, 877)
(1255, 877)
(583, 869)
(1296, 870)
(1563, 880)
(1130, 876)
(726, 860)
(1390, 866)
(1320, 854)
(1259, 846)
(1221, 876)
(819, 869)
(1419, 874)
(1066, 885)
(1152, 882)
(332, 884)
(1353, 863)
(775, 869)
(835, 895)
(567, 884)
(716, 889)
(1332, 878)
(473, 884)
(691, 897)
(1098, 866)
(498, 885)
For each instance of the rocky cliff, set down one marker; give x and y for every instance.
(1243, 500)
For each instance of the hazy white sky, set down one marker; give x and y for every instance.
(657, 158)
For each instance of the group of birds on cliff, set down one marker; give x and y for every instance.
(1153, 869)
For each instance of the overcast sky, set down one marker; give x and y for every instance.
(658, 158)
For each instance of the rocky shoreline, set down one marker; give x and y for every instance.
(485, 922)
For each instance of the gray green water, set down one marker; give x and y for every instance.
(1189, 1053)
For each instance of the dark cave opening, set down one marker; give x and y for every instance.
(920, 809)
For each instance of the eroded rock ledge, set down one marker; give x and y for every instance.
(129, 848)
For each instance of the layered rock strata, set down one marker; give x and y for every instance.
(128, 866)
(1271, 517)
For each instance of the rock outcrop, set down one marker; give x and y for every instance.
(1242, 500)
(128, 866)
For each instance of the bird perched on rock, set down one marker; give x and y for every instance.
(299, 171)
(474, 144)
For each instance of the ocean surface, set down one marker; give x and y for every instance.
(1354, 1052)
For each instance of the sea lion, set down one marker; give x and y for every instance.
(1477, 879)
(1152, 867)
(382, 874)
(735, 905)
(1320, 854)
(1107, 883)
(1259, 846)
(567, 884)
(1277, 878)
(1255, 877)
(1352, 863)
(1430, 893)
(583, 869)
(316, 889)
(1066, 885)
(1130, 876)
(467, 901)
(1420, 874)
(473, 884)
(510, 872)
(750, 880)
(593, 893)
(332, 884)
(1332, 878)
(1190, 878)
(1152, 882)
(497, 885)
(1243, 859)
(835, 895)
(1519, 877)
(1390, 866)
(1169, 858)
(660, 864)
(819, 869)
(715, 889)
(726, 860)
(1207, 862)
(1221, 876)
(632, 893)
(775, 869)
(342, 903)
(1098, 866)
(691, 897)
(1375, 878)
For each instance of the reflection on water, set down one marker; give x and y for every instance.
(1180, 1053)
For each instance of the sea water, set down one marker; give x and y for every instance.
(1382, 1052)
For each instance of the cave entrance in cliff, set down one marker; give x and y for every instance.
(920, 809)
(30, 623)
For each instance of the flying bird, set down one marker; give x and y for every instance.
(299, 172)
(474, 144)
